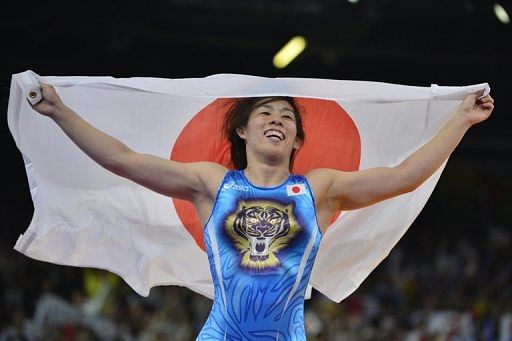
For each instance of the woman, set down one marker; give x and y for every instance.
(262, 224)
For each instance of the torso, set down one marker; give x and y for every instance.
(261, 245)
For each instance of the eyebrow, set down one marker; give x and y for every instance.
(268, 106)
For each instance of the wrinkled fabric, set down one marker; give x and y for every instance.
(86, 216)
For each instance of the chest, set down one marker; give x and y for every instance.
(263, 231)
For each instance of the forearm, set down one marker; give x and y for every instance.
(351, 190)
(101, 147)
(189, 181)
(419, 166)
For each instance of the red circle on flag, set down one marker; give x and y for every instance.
(332, 141)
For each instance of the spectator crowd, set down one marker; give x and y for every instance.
(426, 289)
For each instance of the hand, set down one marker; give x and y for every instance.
(51, 102)
(476, 110)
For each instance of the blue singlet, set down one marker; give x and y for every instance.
(261, 245)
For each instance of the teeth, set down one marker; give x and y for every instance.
(275, 133)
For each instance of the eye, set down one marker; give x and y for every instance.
(266, 113)
(288, 117)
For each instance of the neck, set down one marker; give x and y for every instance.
(266, 175)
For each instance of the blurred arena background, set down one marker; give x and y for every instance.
(449, 278)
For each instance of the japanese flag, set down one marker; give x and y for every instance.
(86, 216)
(297, 189)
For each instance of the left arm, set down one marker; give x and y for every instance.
(337, 190)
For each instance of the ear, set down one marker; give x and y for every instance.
(297, 143)
(241, 133)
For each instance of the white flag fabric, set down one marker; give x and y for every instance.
(85, 216)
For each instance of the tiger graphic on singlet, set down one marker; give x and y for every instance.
(259, 229)
(261, 244)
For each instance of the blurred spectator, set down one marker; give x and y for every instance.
(447, 291)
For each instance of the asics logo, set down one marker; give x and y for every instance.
(236, 187)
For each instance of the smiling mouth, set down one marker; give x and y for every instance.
(274, 135)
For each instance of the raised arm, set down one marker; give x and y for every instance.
(189, 181)
(337, 190)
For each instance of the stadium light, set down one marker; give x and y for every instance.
(289, 52)
(501, 14)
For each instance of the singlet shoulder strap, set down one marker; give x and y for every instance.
(236, 176)
(298, 178)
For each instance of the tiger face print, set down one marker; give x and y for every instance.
(259, 229)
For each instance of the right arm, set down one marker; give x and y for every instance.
(194, 182)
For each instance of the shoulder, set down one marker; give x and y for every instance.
(208, 166)
(207, 171)
(320, 177)
(322, 180)
(319, 180)
(210, 175)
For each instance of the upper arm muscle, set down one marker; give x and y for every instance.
(352, 190)
(172, 178)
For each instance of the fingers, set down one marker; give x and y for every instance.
(468, 103)
(486, 99)
(471, 98)
(486, 103)
(45, 87)
(48, 92)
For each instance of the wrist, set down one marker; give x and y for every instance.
(461, 120)
(60, 112)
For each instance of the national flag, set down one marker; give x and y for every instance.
(86, 216)
(296, 189)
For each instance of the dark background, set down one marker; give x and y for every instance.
(412, 42)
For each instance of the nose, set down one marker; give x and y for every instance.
(276, 120)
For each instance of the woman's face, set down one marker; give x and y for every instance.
(271, 129)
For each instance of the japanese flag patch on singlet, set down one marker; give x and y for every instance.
(297, 189)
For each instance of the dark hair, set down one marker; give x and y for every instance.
(238, 117)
